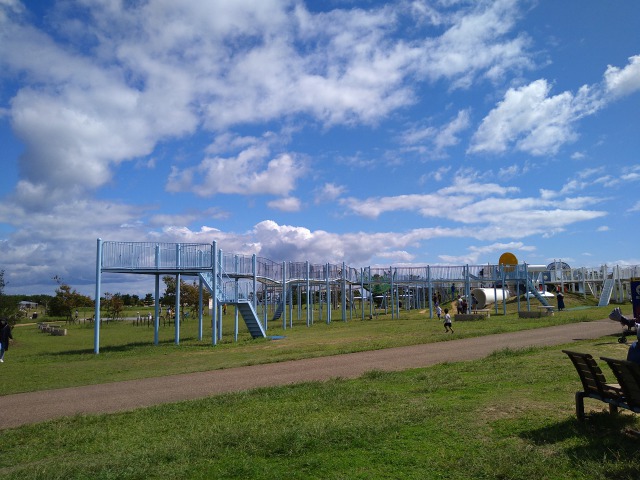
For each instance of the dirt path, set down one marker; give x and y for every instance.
(33, 407)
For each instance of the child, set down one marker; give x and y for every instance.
(439, 311)
(447, 321)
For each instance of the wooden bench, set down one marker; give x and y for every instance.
(628, 376)
(460, 317)
(52, 329)
(594, 384)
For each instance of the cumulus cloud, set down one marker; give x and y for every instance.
(232, 84)
(476, 45)
(156, 71)
(249, 173)
(532, 120)
(288, 242)
(623, 81)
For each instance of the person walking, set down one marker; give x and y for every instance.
(560, 297)
(439, 312)
(5, 335)
(447, 321)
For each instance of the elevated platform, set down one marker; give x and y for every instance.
(251, 280)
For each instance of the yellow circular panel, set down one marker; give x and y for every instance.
(508, 258)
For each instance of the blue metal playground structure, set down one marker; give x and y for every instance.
(261, 289)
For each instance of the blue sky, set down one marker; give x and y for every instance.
(421, 132)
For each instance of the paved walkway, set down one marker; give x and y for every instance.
(33, 407)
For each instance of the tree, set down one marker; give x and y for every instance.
(169, 297)
(379, 289)
(113, 305)
(189, 295)
(66, 301)
(127, 300)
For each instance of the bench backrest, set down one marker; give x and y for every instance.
(628, 375)
(592, 378)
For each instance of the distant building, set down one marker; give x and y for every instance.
(24, 305)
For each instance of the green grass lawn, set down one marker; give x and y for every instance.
(37, 361)
(508, 416)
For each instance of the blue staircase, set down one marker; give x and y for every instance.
(607, 289)
(251, 318)
(245, 307)
(532, 288)
(278, 313)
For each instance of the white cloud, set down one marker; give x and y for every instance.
(492, 250)
(221, 88)
(433, 140)
(476, 44)
(329, 192)
(511, 171)
(72, 151)
(61, 241)
(440, 173)
(625, 81)
(489, 207)
(447, 137)
(162, 70)
(589, 172)
(428, 204)
(162, 219)
(249, 173)
(529, 119)
(532, 121)
(286, 242)
(286, 204)
(467, 181)
(631, 177)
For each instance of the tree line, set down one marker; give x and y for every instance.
(67, 300)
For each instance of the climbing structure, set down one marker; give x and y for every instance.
(263, 290)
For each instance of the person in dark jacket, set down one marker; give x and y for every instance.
(633, 354)
(5, 335)
(560, 297)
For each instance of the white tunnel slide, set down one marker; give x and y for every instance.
(487, 296)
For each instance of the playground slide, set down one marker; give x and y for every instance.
(487, 296)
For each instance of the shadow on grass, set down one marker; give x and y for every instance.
(614, 339)
(600, 436)
(127, 347)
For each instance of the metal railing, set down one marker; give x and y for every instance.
(142, 256)
(148, 255)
